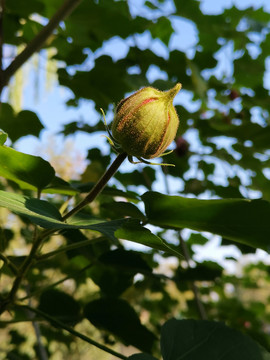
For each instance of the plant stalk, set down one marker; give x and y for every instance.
(98, 187)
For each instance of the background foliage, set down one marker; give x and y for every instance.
(86, 278)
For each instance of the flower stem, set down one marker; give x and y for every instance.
(99, 186)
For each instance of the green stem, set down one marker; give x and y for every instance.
(37, 42)
(21, 274)
(98, 187)
(69, 329)
(9, 264)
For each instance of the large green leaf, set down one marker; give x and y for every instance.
(204, 340)
(118, 317)
(46, 215)
(28, 171)
(245, 221)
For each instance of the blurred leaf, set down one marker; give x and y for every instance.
(28, 171)
(201, 339)
(17, 125)
(244, 221)
(207, 271)
(60, 305)
(119, 318)
(162, 29)
(99, 83)
(130, 261)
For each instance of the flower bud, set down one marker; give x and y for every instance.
(146, 122)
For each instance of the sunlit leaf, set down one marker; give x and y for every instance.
(28, 171)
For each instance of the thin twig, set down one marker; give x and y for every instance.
(42, 350)
(55, 322)
(35, 44)
(9, 264)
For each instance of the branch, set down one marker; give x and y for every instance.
(9, 264)
(35, 44)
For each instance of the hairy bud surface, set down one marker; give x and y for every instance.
(146, 122)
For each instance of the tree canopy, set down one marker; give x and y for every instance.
(71, 278)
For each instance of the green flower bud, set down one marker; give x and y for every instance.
(146, 122)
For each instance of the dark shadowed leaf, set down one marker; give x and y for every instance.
(141, 357)
(118, 209)
(60, 305)
(204, 340)
(119, 318)
(245, 221)
(24, 123)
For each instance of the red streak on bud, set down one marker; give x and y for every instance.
(169, 118)
(130, 114)
(146, 101)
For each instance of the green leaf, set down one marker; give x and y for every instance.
(132, 230)
(207, 271)
(121, 208)
(119, 318)
(44, 214)
(17, 125)
(40, 212)
(60, 305)
(204, 340)
(3, 137)
(60, 186)
(244, 221)
(28, 171)
(162, 29)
